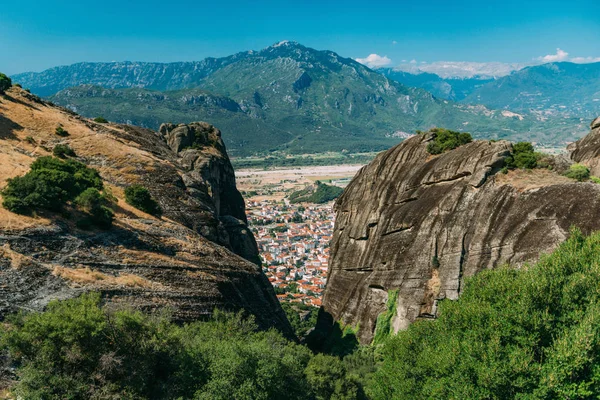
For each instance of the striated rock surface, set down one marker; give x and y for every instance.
(189, 260)
(421, 224)
(587, 150)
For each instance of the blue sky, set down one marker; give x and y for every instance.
(39, 34)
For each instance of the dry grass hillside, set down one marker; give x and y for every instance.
(180, 260)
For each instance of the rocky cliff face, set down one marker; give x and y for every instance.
(420, 224)
(587, 150)
(185, 261)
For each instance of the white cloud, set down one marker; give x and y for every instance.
(585, 60)
(394, 42)
(413, 61)
(560, 55)
(375, 61)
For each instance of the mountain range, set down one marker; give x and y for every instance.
(287, 97)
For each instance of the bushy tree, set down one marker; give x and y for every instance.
(578, 172)
(140, 198)
(445, 139)
(531, 333)
(60, 131)
(101, 120)
(49, 184)
(63, 150)
(53, 183)
(97, 206)
(523, 157)
(5, 83)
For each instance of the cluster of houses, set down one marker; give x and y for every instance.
(293, 241)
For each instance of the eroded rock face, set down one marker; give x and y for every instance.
(421, 224)
(188, 261)
(208, 175)
(587, 149)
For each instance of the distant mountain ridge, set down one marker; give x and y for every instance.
(291, 98)
(454, 89)
(560, 88)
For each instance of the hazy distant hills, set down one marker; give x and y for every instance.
(285, 97)
(557, 88)
(455, 89)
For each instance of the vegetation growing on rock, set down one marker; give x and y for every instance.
(49, 184)
(445, 139)
(523, 157)
(101, 120)
(97, 206)
(60, 131)
(63, 150)
(384, 320)
(5, 83)
(528, 333)
(140, 197)
(578, 172)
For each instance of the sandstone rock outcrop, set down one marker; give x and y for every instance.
(420, 224)
(185, 261)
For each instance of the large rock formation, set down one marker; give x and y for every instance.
(420, 224)
(186, 260)
(587, 149)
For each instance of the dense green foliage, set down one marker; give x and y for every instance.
(97, 206)
(140, 197)
(578, 172)
(532, 333)
(301, 317)
(523, 156)
(445, 139)
(101, 120)
(320, 193)
(50, 184)
(63, 151)
(78, 350)
(5, 83)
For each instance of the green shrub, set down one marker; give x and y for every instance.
(523, 156)
(79, 350)
(445, 140)
(30, 140)
(595, 179)
(327, 377)
(63, 150)
(578, 172)
(49, 184)
(140, 197)
(529, 333)
(18, 85)
(61, 132)
(5, 83)
(96, 206)
(100, 120)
